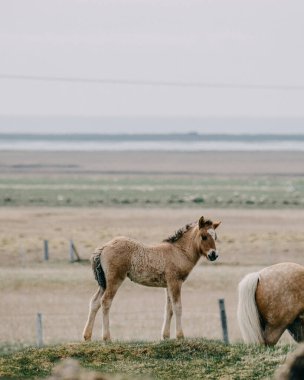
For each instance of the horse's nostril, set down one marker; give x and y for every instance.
(212, 255)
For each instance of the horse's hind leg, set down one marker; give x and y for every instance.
(296, 329)
(106, 302)
(95, 304)
(168, 317)
(272, 334)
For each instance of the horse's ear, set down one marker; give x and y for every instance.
(216, 224)
(201, 222)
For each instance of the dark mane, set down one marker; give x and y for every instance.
(179, 233)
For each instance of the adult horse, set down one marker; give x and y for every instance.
(271, 301)
(165, 265)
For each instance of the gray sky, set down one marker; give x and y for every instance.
(214, 41)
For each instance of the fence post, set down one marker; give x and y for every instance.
(46, 250)
(39, 330)
(223, 320)
(74, 255)
(71, 251)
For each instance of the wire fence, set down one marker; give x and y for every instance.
(46, 327)
(142, 324)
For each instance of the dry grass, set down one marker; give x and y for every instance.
(178, 360)
(248, 240)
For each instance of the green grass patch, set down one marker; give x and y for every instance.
(187, 359)
(261, 192)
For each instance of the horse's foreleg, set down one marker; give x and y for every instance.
(174, 289)
(167, 317)
(95, 304)
(106, 303)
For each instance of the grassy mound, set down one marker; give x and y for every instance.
(187, 359)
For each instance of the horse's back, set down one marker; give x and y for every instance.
(118, 252)
(280, 293)
(142, 264)
(122, 245)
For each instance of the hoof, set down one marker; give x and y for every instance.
(166, 337)
(180, 336)
(87, 338)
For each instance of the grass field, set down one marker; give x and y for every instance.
(178, 360)
(91, 198)
(61, 291)
(135, 191)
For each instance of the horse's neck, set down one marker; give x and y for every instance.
(186, 246)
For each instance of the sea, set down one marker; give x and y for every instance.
(184, 142)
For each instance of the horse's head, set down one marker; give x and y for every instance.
(206, 237)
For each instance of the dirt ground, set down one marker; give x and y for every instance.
(152, 163)
(248, 241)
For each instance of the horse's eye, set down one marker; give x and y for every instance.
(204, 237)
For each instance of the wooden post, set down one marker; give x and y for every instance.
(73, 252)
(223, 320)
(39, 330)
(46, 250)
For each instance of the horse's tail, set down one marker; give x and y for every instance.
(247, 313)
(98, 269)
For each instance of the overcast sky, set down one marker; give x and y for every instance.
(257, 42)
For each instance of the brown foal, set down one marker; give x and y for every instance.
(165, 265)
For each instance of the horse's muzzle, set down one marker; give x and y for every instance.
(212, 255)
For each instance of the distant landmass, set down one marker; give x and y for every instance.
(149, 125)
(163, 134)
(149, 137)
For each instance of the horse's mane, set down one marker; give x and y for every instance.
(179, 233)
